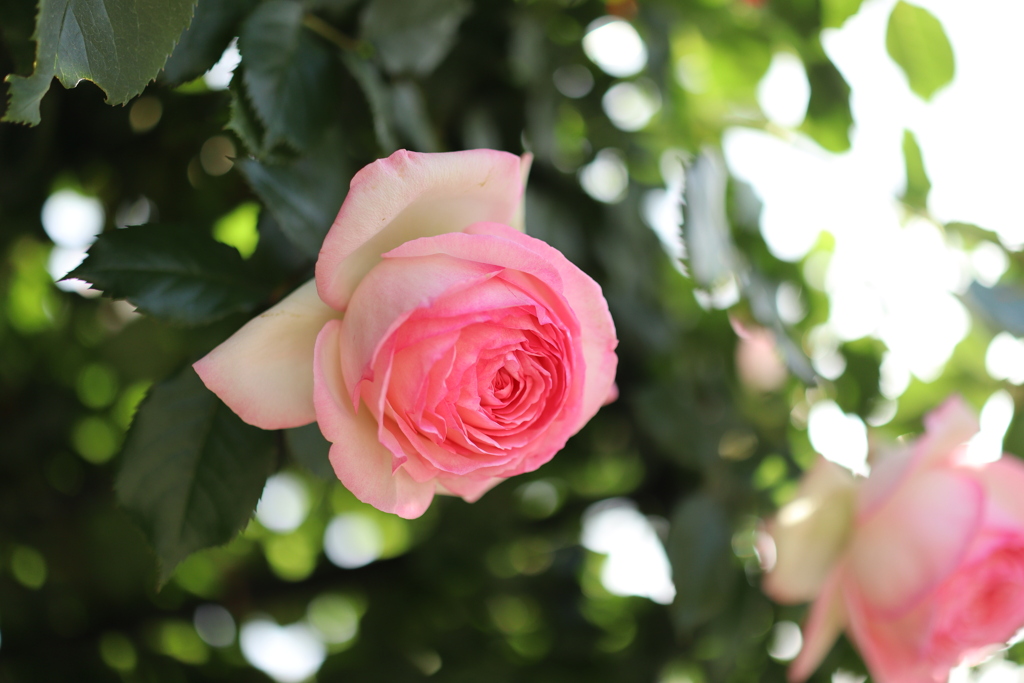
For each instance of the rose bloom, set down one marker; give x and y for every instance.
(922, 562)
(439, 348)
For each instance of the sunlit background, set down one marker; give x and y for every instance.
(870, 271)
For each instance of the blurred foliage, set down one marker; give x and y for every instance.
(501, 590)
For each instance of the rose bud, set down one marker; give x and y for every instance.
(439, 348)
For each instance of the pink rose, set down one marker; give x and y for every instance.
(439, 349)
(922, 562)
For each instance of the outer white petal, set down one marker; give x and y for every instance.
(519, 221)
(264, 371)
(411, 195)
(810, 533)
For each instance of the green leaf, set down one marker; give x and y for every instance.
(412, 118)
(303, 194)
(310, 449)
(191, 471)
(413, 37)
(834, 13)
(703, 567)
(243, 120)
(918, 184)
(916, 41)
(1001, 306)
(378, 96)
(120, 45)
(204, 41)
(289, 74)
(171, 272)
(828, 118)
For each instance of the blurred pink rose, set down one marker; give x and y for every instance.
(922, 562)
(438, 348)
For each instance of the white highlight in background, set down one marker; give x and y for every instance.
(352, 540)
(288, 654)
(219, 75)
(996, 416)
(1005, 358)
(631, 105)
(786, 641)
(838, 436)
(784, 92)
(72, 221)
(615, 46)
(606, 178)
(636, 562)
(284, 503)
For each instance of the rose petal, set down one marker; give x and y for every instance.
(519, 221)
(362, 464)
(396, 288)
(810, 533)
(580, 291)
(947, 428)
(1004, 483)
(916, 539)
(410, 195)
(264, 371)
(893, 649)
(825, 621)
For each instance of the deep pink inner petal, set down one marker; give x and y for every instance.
(482, 380)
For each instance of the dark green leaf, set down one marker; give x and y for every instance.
(378, 96)
(243, 119)
(828, 118)
(413, 37)
(171, 272)
(918, 184)
(916, 41)
(412, 118)
(289, 74)
(203, 42)
(119, 45)
(192, 471)
(309, 448)
(703, 567)
(304, 194)
(1001, 306)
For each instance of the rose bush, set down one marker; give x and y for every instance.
(439, 348)
(922, 562)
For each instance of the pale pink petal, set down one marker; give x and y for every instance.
(410, 195)
(364, 467)
(946, 429)
(916, 539)
(519, 221)
(264, 371)
(362, 464)
(825, 621)
(895, 650)
(588, 303)
(810, 533)
(1004, 483)
(949, 426)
